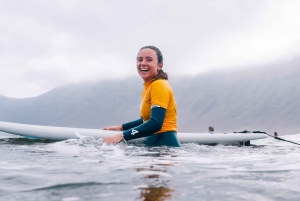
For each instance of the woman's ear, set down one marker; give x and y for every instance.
(160, 66)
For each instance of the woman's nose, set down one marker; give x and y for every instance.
(143, 62)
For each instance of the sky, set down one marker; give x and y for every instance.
(49, 43)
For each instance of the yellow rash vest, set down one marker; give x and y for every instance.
(158, 93)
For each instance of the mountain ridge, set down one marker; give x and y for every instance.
(265, 99)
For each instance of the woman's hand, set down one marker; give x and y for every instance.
(114, 139)
(113, 128)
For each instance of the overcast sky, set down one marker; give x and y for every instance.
(44, 44)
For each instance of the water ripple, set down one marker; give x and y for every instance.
(87, 169)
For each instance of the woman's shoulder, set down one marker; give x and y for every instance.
(161, 83)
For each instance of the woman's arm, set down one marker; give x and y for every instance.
(132, 124)
(125, 126)
(150, 127)
(153, 125)
(113, 128)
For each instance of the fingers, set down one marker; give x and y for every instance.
(108, 140)
(114, 139)
(113, 128)
(109, 128)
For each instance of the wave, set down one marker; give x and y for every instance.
(75, 185)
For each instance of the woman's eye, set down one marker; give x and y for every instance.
(149, 60)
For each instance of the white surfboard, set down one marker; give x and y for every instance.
(63, 133)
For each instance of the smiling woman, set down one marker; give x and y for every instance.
(158, 122)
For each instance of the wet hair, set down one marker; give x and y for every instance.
(211, 128)
(161, 74)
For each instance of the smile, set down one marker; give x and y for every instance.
(144, 70)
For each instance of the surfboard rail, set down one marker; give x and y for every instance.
(63, 133)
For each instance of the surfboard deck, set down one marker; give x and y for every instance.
(63, 133)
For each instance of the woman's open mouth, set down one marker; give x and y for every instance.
(144, 70)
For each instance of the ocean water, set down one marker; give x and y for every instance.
(86, 169)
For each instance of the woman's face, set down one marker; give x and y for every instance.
(147, 64)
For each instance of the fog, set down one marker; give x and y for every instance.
(263, 98)
(45, 44)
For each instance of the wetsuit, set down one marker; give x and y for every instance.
(158, 122)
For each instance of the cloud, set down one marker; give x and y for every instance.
(265, 39)
(44, 44)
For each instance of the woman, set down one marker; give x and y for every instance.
(158, 122)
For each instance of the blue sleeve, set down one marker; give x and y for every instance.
(132, 124)
(150, 127)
